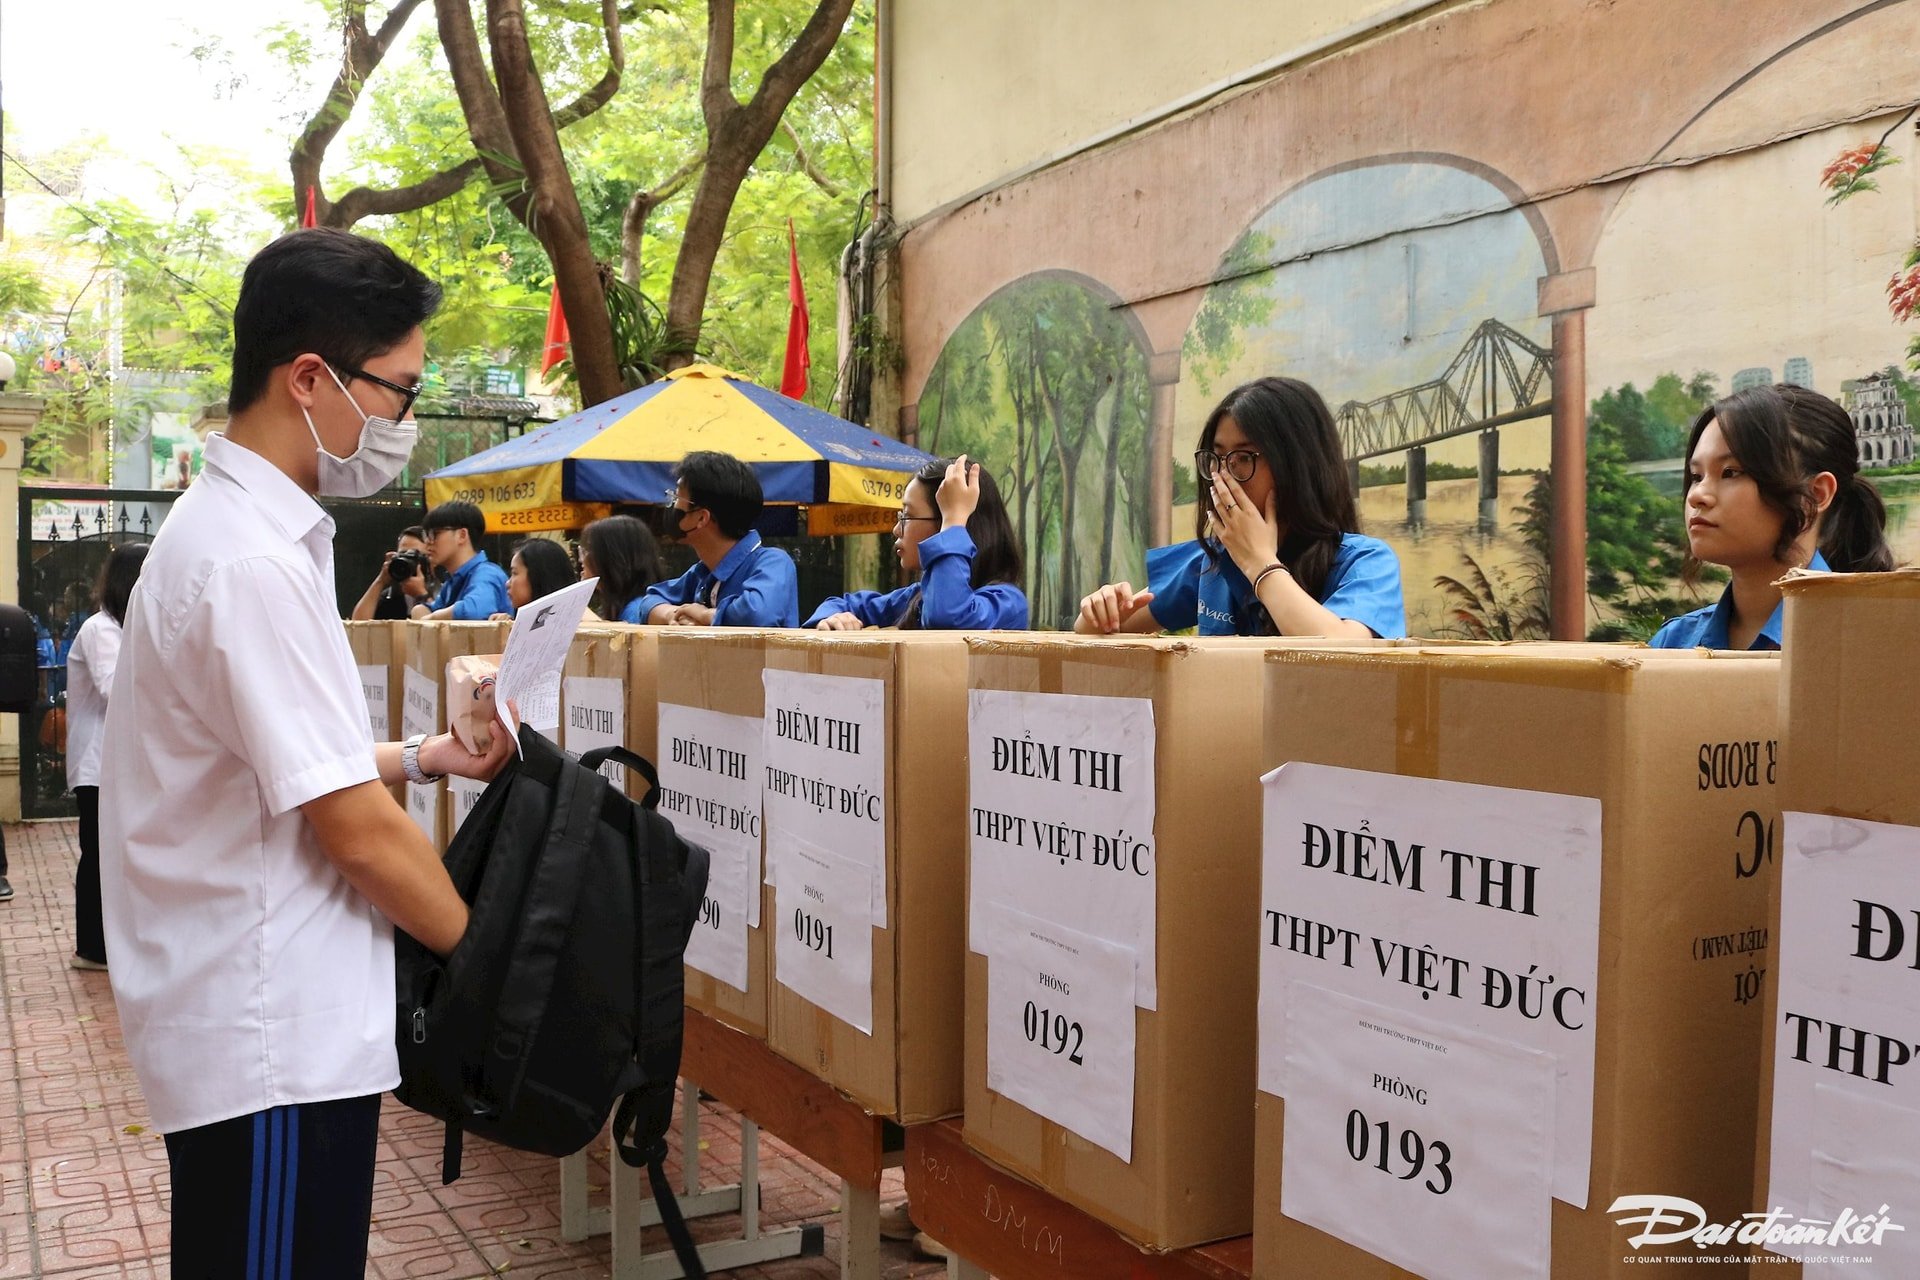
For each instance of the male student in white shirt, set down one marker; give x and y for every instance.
(254, 864)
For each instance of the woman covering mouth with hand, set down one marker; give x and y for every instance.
(1773, 484)
(953, 530)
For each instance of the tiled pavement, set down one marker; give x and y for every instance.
(83, 1177)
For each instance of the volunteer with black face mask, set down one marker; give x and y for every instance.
(737, 580)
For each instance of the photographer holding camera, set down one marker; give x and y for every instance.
(401, 582)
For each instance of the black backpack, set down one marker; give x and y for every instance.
(19, 660)
(564, 997)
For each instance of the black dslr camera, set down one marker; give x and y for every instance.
(405, 564)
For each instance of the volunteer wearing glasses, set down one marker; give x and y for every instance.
(954, 532)
(1276, 550)
(476, 587)
(737, 581)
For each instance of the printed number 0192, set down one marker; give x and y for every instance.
(1050, 1030)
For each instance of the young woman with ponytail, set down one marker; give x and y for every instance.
(1773, 484)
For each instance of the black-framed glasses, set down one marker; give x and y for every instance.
(903, 518)
(407, 394)
(1240, 464)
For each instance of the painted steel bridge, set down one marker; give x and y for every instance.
(1499, 376)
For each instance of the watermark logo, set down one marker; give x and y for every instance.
(1671, 1220)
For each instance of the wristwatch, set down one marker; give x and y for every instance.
(410, 761)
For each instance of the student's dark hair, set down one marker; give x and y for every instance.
(626, 557)
(1785, 435)
(413, 531)
(457, 515)
(725, 486)
(996, 547)
(548, 565)
(340, 296)
(117, 577)
(1291, 426)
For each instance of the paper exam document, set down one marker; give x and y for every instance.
(535, 655)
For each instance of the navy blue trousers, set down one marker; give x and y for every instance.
(283, 1194)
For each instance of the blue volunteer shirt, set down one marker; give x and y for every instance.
(951, 604)
(477, 590)
(1709, 627)
(753, 586)
(1189, 590)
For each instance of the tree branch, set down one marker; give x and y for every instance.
(480, 104)
(609, 83)
(736, 134)
(807, 166)
(369, 202)
(558, 222)
(716, 73)
(361, 54)
(633, 224)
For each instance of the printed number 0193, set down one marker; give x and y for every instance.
(1414, 1151)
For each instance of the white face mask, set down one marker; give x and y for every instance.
(383, 451)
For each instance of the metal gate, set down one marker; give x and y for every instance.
(66, 534)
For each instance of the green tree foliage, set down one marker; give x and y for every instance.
(1047, 385)
(1654, 425)
(816, 171)
(1240, 301)
(155, 294)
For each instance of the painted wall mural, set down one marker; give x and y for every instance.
(1046, 384)
(1747, 214)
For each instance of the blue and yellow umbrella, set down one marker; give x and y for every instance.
(837, 477)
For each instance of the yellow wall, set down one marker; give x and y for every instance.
(983, 89)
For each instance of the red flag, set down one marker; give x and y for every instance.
(793, 378)
(307, 219)
(558, 339)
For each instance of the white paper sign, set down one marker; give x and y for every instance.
(1061, 796)
(374, 687)
(826, 770)
(718, 945)
(536, 653)
(823, 932)
(596, 717)
(1423, 1143)
(711, 772)
(1846, 1063)
(1060, 1026)
(420, 713)
(1477, 907)
(465, 793)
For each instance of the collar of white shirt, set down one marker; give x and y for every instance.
(291, 508)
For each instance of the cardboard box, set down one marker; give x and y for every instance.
(425, 650)
(909, 1068)
(713, 669)
(618, 652)
(376, 650)
(1681, 751)
(1189, 1178)
(1849, 750)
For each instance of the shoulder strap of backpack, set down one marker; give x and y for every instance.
(634, 761)
(552, 894)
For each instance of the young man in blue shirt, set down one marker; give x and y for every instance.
(736, 580)
(476, 587)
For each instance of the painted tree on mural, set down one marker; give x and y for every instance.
(1046, 384)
